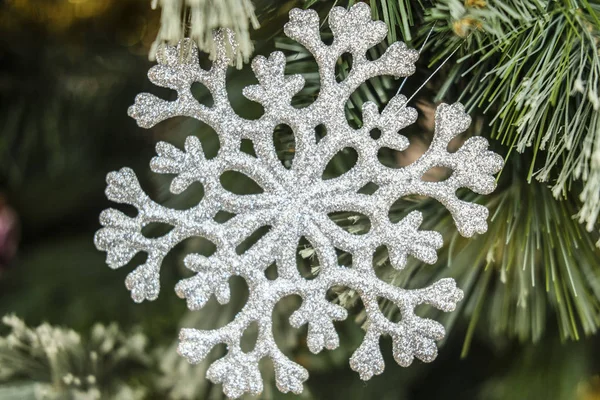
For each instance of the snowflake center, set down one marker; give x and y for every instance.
(298, 199)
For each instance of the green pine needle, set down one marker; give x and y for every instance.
(534, 67)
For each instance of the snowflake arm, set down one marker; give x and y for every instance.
(178, 68)
(472, 167)
(122, 236)
(273, 83)
(346, 26)
(191, 166)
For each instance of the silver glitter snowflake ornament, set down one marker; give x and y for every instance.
(295, 202)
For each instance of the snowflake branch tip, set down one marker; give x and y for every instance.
(367, 359)
(171, 61)
(450, 121)
(417, 340)
(178, 68)
(443, 295)
(171, 160)
(420, 244)
(289, 376)
(347, 25)
(195, 345)
(319, 314)
(113, 237)
(472, 167)
(478, 165)
(124, 187)
(470, 218)
(211, 278)
(273, 84)
(143, 282)
(303, 27)
(395, 116)
(239, 374)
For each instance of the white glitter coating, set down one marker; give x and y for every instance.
(296, 202)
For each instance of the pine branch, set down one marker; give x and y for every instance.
(203, 17)
(63, 365)
(548, 370)
(534, 66)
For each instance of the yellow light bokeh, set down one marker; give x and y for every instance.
(56, 16)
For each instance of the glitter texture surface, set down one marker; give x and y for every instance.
(295, 202)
